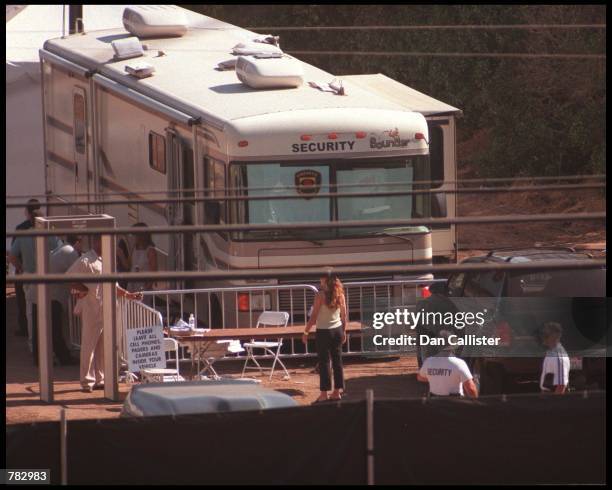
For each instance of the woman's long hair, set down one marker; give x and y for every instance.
(334, 292)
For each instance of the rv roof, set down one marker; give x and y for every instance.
(185, 77)
(406, 96)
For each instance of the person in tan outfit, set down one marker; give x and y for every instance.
(89, 307)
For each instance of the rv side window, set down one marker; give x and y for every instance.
(215, 182)
(157, 152)
(436, 154)
(79, 123)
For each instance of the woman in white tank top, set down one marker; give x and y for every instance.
(329, 314)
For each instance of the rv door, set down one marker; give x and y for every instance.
(81, 148)
(174, 211)
(180, 177)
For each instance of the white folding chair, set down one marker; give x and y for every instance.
(164, 375)
(211, 352)
(267, 318)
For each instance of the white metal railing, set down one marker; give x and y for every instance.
(130, 315)
(74, 325)
(227, 307)
(363, 297)
(165, 307)
(226, 303)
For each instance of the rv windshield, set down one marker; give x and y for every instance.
(304, 181)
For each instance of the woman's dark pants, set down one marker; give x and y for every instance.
(329, 344)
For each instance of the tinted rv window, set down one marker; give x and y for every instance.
(436, 154)
(79, 123)
(380, 177)
(309, 181)
(368, 208)
(215, 182)
(157, 152)
(305, 184)
(301, 181)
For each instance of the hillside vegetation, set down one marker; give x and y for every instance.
(527, 116)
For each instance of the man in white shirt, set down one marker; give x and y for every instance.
(446, 374)
(89, 306)
(60, 261)
(556, 365)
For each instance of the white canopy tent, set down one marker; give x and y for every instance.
(27, 28)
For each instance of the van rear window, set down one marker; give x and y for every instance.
(487, 284)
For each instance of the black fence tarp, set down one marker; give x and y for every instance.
(309, 445)
(525, 439)
(34, 446)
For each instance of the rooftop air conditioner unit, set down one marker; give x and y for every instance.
(155, 21)
(252, 47)
(140, 70)
(269, 71)
(128, 47)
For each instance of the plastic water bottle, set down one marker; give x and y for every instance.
(192, 322)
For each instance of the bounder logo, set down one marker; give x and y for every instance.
(394, 142)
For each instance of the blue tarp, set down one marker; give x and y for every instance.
(195, 397)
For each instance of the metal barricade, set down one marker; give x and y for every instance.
(240, 306)
(133, 315)
(130, 315)
(364, 297)
(74, 325)
(232, 307)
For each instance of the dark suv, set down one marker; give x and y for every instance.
(524, 301)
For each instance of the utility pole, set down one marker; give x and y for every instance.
(75, 19)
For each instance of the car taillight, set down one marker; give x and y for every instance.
(425, 292)
(504, 333)
(243, 301)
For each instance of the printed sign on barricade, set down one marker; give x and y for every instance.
(145, 348)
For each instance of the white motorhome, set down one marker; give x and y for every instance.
(111, 135)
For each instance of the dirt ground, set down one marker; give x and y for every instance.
(388, 377)
(475, 238)
(578, 234)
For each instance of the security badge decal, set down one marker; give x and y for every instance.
(307, 182)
